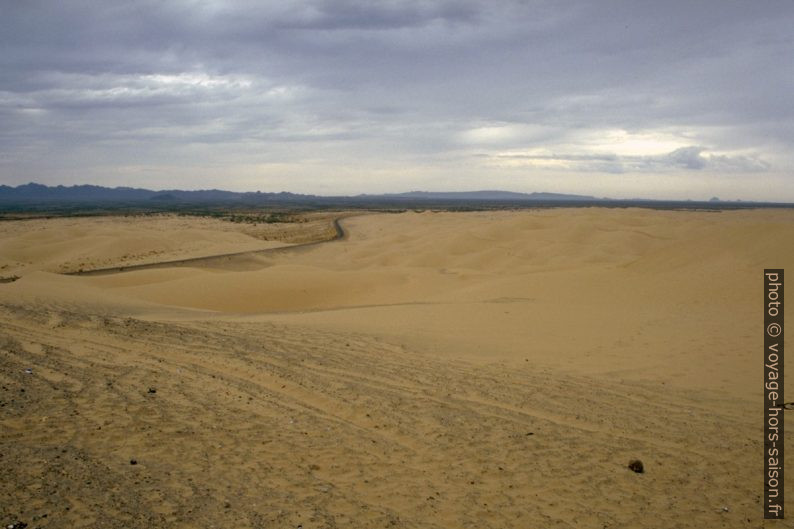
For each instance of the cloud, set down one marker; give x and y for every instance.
(368, 16)
(691, 158)
(687, 157)
(376, 87)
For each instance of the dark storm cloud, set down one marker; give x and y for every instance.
(374, 85)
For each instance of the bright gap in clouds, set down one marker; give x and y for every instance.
(623, 143)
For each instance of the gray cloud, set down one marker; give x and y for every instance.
(687, 157)
(379, 94)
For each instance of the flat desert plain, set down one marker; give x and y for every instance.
(430, 369)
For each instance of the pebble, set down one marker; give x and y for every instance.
(636, 466)
(133, 461)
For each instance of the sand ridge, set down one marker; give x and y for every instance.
(74, 244)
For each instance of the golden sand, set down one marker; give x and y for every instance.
(489, 369)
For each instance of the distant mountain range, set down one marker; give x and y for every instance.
(41, 198)
(37, 193)
(29, 193)
(485, 195)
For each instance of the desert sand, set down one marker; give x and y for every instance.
(440, 370)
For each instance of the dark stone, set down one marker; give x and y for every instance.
(152, 390)
(133, 461)
(636, 466)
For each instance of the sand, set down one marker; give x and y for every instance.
(480, 369)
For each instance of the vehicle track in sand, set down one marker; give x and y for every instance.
(266, 425)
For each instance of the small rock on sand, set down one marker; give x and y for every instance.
(636, 466)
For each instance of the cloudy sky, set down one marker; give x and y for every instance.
(657, 99)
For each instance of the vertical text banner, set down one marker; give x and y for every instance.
(773, 394)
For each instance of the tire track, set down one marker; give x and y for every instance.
(299, 426)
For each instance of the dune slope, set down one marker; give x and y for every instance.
(260, 425)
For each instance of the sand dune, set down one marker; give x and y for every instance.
(558, 287)
(71, 244)
(493, 369)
